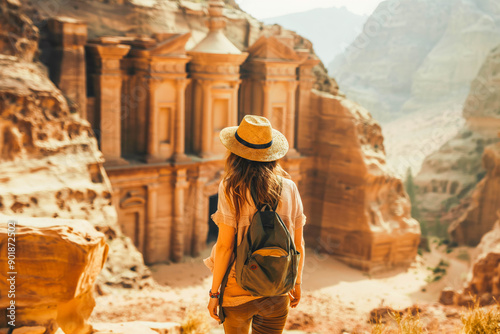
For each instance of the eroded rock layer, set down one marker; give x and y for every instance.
(50, 165)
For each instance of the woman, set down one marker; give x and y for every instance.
(254, 148)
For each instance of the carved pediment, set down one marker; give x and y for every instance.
(132, 198)
(269, 47)
(172, 45)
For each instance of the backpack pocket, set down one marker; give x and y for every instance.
(267, 272)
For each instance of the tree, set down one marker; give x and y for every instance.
(411, 190)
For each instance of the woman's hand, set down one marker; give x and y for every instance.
(212, 308)
(295, 296)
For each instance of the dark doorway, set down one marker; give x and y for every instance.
(213, 230)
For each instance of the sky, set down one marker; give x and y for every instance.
(262, 9)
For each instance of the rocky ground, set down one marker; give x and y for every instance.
(336, 298)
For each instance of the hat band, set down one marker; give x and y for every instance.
(250, 145)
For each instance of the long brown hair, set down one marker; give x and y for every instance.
(240, 173)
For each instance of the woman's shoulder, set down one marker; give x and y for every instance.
(289, 183)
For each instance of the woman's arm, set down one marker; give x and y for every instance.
(223, 250)
(300, 246)
(296, 293)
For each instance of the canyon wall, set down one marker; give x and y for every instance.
(449, 175)
(480, 215)
(50, 164)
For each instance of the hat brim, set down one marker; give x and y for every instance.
(276, 151)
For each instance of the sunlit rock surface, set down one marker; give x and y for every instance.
(485, 279)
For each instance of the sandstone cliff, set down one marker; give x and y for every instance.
(480, 215)
(449, 175)
(359, 208)
(485, 276)
(50, 165)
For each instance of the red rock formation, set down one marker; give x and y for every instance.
(358, 209)
(50, 165)
(485, 280)
(56, 263)
(480, 215)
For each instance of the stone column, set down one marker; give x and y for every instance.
(108, 82)
(67, 60)
(153, 142)
(290, 118)
(206, 119)
(266, 108)
(233, 117)
(150, 242)
(306, 119)
(179, 145)
(178, 227)
(201, 223)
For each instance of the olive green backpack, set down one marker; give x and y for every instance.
(266, 260)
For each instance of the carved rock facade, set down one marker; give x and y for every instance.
(157, 103)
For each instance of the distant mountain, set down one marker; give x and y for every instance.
(412, 68)
(415, 55)
(329, 29)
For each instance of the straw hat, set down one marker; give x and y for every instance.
(255, 139)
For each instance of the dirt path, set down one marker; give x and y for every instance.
(336, 297)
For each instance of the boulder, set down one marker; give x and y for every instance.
(447, 296)
(56, 264)
(485, 278)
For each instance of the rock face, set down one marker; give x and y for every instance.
(350, 164)
(480, 215)
(50, 165)
(56, 263)
(485, 281)
(449, 175)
